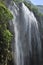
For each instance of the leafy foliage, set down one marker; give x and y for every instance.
(5, 35)
(5, 13)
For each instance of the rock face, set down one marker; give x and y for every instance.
(40, 19)
(40, 8)
(40, 22)
(7, 2)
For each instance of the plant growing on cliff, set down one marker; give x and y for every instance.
(5, 34)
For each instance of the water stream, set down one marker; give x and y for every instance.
(26, 36)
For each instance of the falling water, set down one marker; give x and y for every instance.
(27, 36)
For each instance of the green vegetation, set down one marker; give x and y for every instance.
(17, 1)
(5, 35)
(33, 8)
(28, 5)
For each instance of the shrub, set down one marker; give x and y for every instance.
(5, 34)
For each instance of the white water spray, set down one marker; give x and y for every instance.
(27, 36)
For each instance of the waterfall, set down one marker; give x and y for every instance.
(26, 36)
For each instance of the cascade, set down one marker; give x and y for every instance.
(26, 36)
